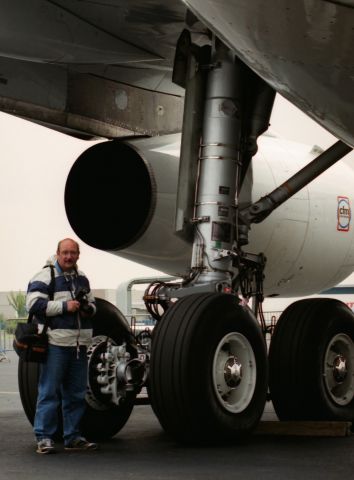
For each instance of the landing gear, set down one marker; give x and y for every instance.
(311, 361)
(103, 417)
(208, 371)
(208, 377)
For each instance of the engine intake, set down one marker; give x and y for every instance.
(110, 195)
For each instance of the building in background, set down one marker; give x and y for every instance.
(275, 306)
(128, 298)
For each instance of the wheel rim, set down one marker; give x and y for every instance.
(339, 369)
(94, 397)
(234, 372)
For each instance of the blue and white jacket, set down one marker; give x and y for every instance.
(66, 329)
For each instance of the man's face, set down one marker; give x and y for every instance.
(67, 255)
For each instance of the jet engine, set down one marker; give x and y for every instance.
(120, 197)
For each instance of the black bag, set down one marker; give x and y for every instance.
(29, 345)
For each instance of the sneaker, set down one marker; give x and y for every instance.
(46, 445)
(80, 444)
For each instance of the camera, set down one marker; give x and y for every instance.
(81, 297)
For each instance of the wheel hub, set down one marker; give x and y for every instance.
(113, 374)
(233, 372)
(339, 369)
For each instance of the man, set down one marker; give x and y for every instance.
(63, 377)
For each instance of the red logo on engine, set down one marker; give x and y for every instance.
(344, 214)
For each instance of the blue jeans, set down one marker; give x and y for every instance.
(62, 381)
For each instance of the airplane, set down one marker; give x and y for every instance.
(236, 214)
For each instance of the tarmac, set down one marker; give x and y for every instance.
(142, 451)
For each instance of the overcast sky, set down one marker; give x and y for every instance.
(34, 164)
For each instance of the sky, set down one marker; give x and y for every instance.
(35, 162)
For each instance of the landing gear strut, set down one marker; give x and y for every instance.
(208, 372)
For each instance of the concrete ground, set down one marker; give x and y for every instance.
(142, 451)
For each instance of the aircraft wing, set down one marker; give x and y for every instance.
(92, 68)
(105, 68)
(301, 48)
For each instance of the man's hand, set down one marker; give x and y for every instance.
(72, 305)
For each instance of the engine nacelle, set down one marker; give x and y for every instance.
(120, 197)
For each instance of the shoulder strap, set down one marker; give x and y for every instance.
(52, 282)
(50, 294)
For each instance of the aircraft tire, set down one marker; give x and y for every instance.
(311, 362)
(98, 423)
(28, 375)
(199, 338)
(101, 425)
